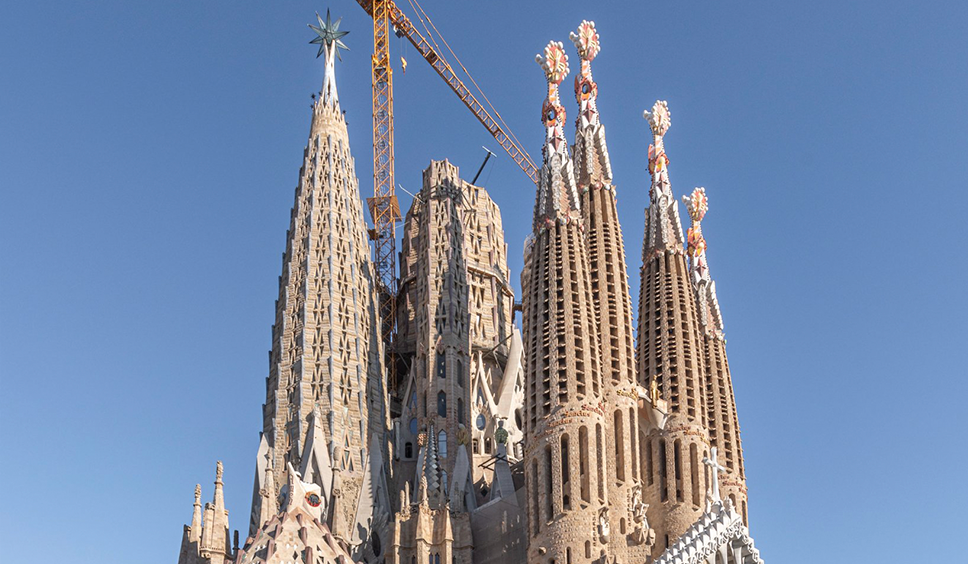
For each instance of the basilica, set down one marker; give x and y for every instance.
(493, 428)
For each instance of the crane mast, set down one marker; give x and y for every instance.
(405, 28)
(383, 205)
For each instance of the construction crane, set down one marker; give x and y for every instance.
(384, 207)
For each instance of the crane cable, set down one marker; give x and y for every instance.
(419, 10)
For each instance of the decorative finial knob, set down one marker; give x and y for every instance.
(659, 118)
(586, 40)
(554, 62)
(697, 204)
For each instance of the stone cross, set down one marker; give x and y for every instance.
(716, 468)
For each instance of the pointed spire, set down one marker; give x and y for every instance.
(663, 229)
(593, 167)
(557, 193)
(328, 37)
(196, 530)
(219, 498)
(709, 315)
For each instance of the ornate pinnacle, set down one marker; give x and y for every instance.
(198, 494)
(696, 205)
(554, 62)
(218, 471)
(586, 40)
(659, 118)
(328, 34)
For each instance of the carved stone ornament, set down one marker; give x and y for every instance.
(604, 529)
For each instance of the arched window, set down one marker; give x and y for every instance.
(460, 410)
(441, 365)
(663, 484)
(549, 484)
(442, 444)
(487, 445)
(677, 458)
(648, 462)
(481, 422)
(565, 474)
(583, 473)
(619, 446)
(408, 450)
(694, 473)
(460, 373)
(535, 499)
(600, 461)
(441, 404)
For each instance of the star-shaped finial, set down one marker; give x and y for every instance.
(327, 34)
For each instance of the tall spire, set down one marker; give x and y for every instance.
(557, 193)
(612, 306)
(325, 396)
(670, 354)
(591, 153)
(663, 229)
(723, 422)
(328, 37)
(564, 394)
(196, 529)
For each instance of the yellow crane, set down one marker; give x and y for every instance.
(384, 207)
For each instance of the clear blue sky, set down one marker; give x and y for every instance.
(148, 156)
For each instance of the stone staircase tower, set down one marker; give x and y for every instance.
(564, 418)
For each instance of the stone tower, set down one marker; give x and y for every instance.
(720, 404)
(630, 535)
(325, 401)
(565, 421)
(670, 357)
(456, 338)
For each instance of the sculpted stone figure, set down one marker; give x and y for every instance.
(603, 526)
(641, 533)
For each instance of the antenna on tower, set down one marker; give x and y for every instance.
(487, 157)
